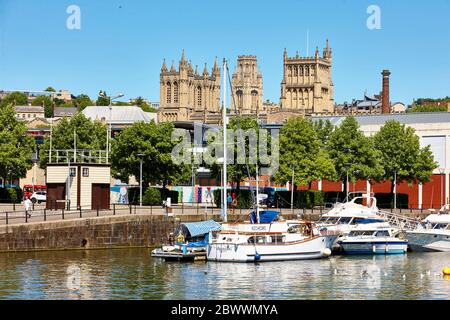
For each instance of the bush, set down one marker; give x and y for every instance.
(302, 199)
(152, 196)
(11, 195)
(386, 200)
(243, 198)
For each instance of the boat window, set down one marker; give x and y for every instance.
(360, 233)
(383, 233)
(251, 240)
(260, 239)
(345, 220)
(277, 239)
(440, 226)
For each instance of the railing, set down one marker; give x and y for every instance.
(79, 156)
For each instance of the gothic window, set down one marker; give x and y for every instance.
(169, 92)
(199, 96)
(239, 98)
(307, 71)
(175, 92)
(295, 71)
(254, 99)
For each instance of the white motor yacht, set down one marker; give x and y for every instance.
(433, 234)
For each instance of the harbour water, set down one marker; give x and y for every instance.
(133, 274)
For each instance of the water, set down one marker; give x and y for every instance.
(133, 274)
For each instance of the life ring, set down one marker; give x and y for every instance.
(234, 202)
(180, 238)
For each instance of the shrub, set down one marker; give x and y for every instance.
(152, 196)
(302, 199)
(243, 198)
(11, 195)
(386, 200)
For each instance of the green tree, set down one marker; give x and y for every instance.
(154, 142)
(90, 135)
(102, 100)
(82, 101)
(402, 155)
(16, 146)
(50, 89)
(323, 128)
(354, 153)
(15, 98)
(140, 102)
(301, 150)
(47, 102)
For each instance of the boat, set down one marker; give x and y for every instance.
(433, 233)
(344, 217)
(368, 239)
(268, 240)
(190, 244)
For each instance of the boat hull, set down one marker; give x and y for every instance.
(428, 241)
(314, 248)
(392, 247)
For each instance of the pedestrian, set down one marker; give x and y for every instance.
(28, 207)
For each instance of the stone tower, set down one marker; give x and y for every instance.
(186, 95)
(307, 86)
(247, 86)
(385, 101)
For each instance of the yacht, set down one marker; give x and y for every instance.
(367, 239)
(433, 234)
(344, 217)
(269, 241)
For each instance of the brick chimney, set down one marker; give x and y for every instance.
(385, 102)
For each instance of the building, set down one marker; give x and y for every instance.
(63, 112)
(247, 85)
(186, 95)
(307, 85)
(28, 113)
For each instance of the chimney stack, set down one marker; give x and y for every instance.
(385, 102)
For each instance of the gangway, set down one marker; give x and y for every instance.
(403, 223)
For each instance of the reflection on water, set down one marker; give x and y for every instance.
(133, 274)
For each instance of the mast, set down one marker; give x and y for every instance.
(224, 121)
(257, 193)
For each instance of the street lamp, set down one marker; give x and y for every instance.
(395, 190)
(102, 94)
(292, 189)
(347, 166)
(442, 171)
(141, 160)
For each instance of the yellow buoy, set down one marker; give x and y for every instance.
(446, 271)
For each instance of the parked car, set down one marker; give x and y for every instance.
(39, 196)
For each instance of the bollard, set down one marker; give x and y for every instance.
(62, 213)
(114, 209)
(14, 206)
(26, 216)
(81, 214)
(6, 217)
(45, 215)
(182, 207)
(131, 208)
(97, 211)
(151, 209)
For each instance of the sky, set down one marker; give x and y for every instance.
(121, 44)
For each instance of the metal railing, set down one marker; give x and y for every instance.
(79, 156)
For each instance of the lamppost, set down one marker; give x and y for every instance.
(102, 94)
(442, 171)
(34, 159)
(141, 160)
(347, 166)
(395, 190)
(292, 189)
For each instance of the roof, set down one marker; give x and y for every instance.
(64, 112)
(119, 114)
(29, 109)
(202, 227)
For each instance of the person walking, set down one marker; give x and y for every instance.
(28, 207)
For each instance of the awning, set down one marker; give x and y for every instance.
(203, 227)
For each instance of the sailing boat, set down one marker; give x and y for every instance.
(263, 238)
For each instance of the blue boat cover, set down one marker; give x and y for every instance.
(198, 244)
(264, 216)
(203, 227)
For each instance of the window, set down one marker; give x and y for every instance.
(199, 96)
(73, 172)
(175, 92)
(85, 172)
(383, 233)
(169, 93)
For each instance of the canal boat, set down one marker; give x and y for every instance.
(268, 240)
(190, 243)
(433, 233)
(372, 240)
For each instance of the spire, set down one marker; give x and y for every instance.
(172, 68)
(182, 57)
(285, 54)
(296, 54)
(196, 70)
(317, 53)
(190, 70)
(216, 70)
(183, 62)
(205, 71)
(164, 67)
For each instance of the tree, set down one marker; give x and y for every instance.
(15, 98)
(90, 135)
(102, 100)
(354, 153)
(154, 142)
(402, 155)
(50, 89)
(301, 150)
(140, 102)
(16, 146)
(82, 101)
(47, 102)
(323, 128)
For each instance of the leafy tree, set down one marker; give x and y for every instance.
(301, 150)
(122, 104)
(47, 102)
(154, 142)
(102, 101)
(15, 98)
(50, 89)
(82, 101)
(401, 153)
(90, 135)
(140, 102)
(16, 146)
(428, 108)
(323, 128)
(354, 153)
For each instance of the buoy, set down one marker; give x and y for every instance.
(446, 271)
(326, 252)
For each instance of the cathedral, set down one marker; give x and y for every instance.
(186, 95)
(307, 86)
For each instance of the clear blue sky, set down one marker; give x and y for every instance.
(121, 44)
